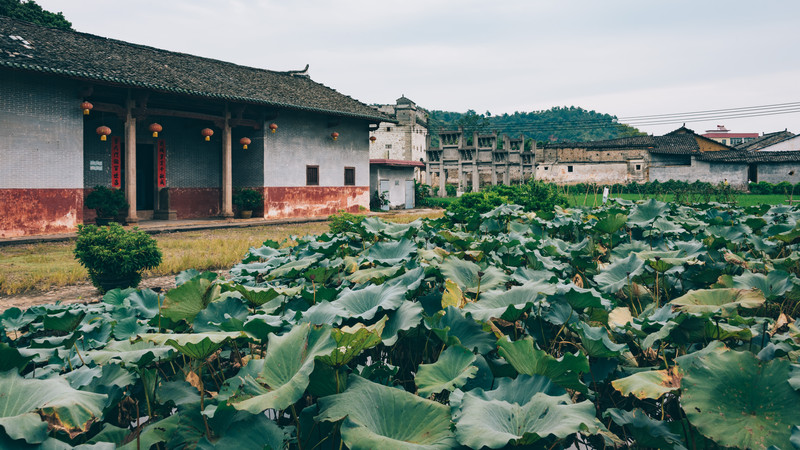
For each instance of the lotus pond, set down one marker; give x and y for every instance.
(633, 325)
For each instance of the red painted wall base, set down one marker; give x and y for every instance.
(308, 201)
(26, 212)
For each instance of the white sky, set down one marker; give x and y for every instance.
(621, 57)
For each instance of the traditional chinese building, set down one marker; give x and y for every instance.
(169, 129)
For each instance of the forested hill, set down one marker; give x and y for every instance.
(556, 124)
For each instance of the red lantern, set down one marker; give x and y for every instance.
(273, 127)
(245, 141)
(372, 139)
(86, 107)
(155, 129)
(335, 135)
(103, 132)
(207, 132)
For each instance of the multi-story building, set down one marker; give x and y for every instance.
(404, 140)
(724, 136)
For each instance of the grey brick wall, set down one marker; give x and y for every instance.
(41, 138)
(247, 170)
(304, 139)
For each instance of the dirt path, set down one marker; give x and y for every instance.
(79, 293)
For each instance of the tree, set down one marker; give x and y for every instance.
(30, 11)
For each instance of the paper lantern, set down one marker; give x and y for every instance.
(372, 139)
(103, 132)
(86, 107)
(207, 133)
(335, 135)
(245, 141)
(273, 127)
(155, 129)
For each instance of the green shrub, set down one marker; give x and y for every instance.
(106, 202)
(422, 193)
(343, 221)
(248, 199)
(450, 190)
(532, 196)
(115, 257)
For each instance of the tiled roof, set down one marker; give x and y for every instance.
(678, 144)
(746, 157)
(766, 140)
(28, 47)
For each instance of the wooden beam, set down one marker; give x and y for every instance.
(140, 113)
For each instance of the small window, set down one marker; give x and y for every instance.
(388, 128)
(638, 167)
(349, 176)
(388, 145)
(569, 168)
(546, 168)
(312, 175)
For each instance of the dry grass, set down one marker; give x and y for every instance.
(40, 267)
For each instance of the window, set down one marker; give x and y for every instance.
(638, 167)
(546, 168)
(388, 128)
(349, 176)
(388, 145)
(569, 168)
(312, 175)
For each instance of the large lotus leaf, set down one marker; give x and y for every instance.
(117, 296)
(527, 359)
(453, 328)
(596, 342)
(452, 295)
(392, 252)
(188, 299)
(223, 315)
(373, 274)
(13, 319)
(619, 273)
(197, 346)
(365, 303)
(146, 302)
(155, 433)
(258, 296)
(406, 317)
(509, 304)
(138, 353)
(65, 321)
(648, 432)
(11, 358)
(377, 416)
(293, 268)
(25, 402)
(773, 284)
(409, 281)
(713, 301)
(452, 370)
(519, 412)
(252, 432)
(377, 226)
(739, 401)
(466, 275)
(321, 313)
(576, 297)
(279, 379)
(352, 340)
(646, 212)
(611, 223)
(650, 384)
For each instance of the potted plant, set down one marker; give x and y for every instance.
(114, 256)
(108, 203)
(247, 201)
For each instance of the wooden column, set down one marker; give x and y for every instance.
(227, 174)
(130, 163)
(442, 179)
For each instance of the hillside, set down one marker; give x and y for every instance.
(555, 124)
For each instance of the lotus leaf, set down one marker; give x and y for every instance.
(650, 384)
(352, 340)
(452, 327)
(197, 346)
(619, 273)
(388, 252)
(188, 299)
(647, 432)
(509, 304)
(65, 409)
(520, 412)
(406, 317)
(468, 275)
(377, 416)
(452, 370)
(714, 301)
(365, 303)
(528, 360)
(739, 401)
(279, 379)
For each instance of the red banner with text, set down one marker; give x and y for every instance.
(162, 164)
(116, 162)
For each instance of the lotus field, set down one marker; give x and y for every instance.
(633, 325)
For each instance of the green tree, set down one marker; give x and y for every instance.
(30, 11)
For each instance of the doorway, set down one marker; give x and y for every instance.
(145, 177)
(752, 173)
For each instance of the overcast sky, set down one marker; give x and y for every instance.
(626, 58)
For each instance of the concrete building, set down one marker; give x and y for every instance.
(724, 136)
(776, 141)
(403, 140)
(481, 162)
(308, 150)
(394, 179)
